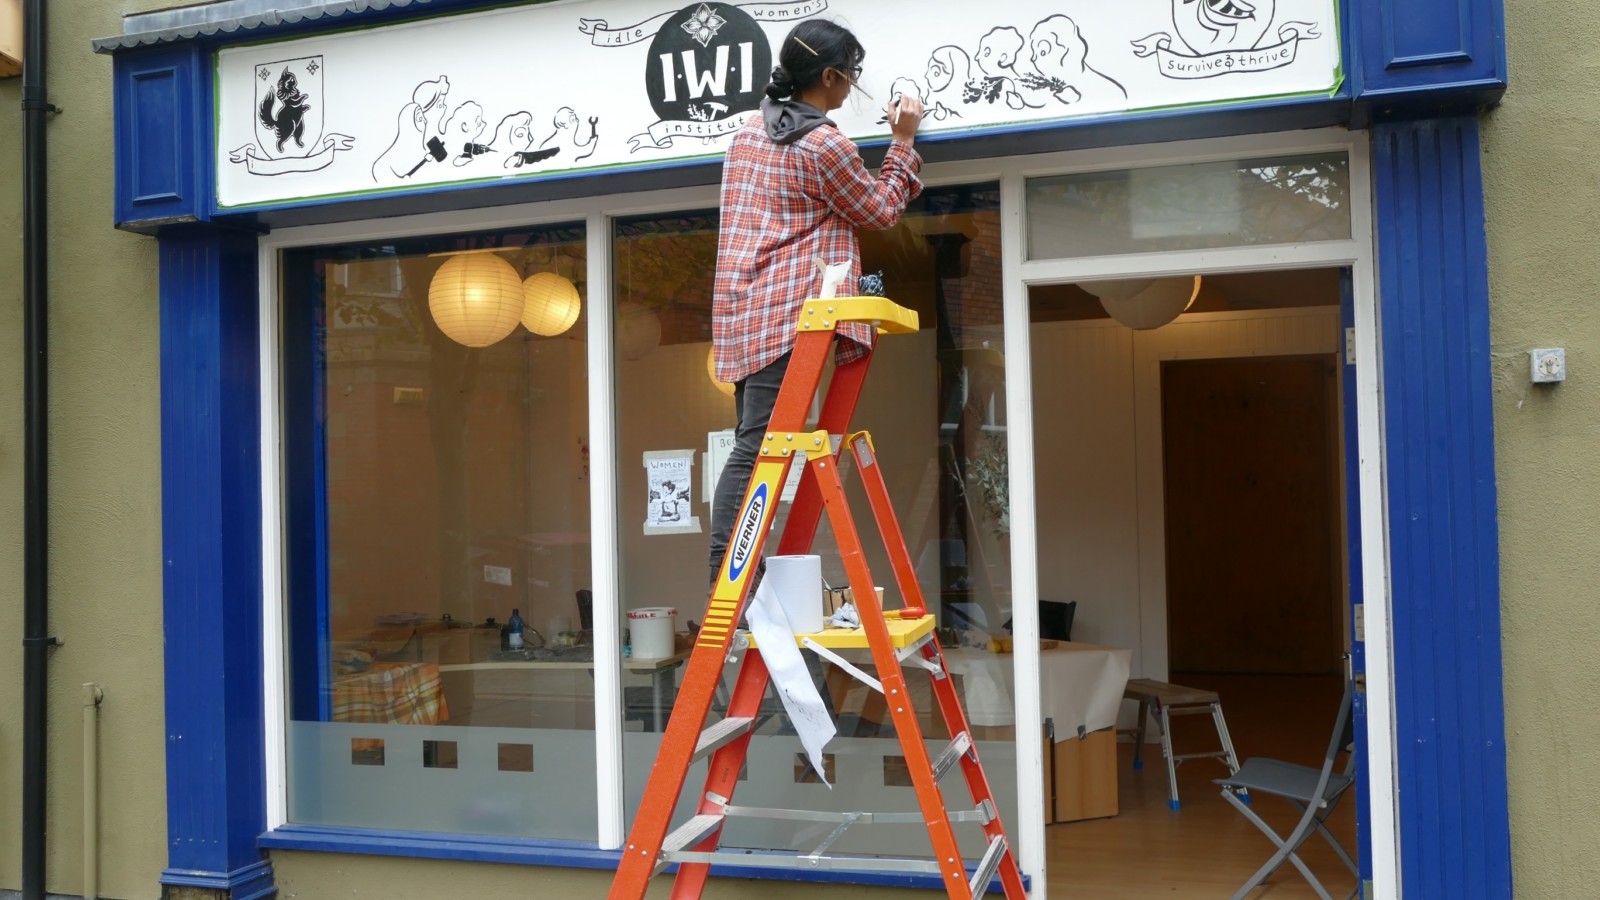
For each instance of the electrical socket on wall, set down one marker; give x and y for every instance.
(1548, 365)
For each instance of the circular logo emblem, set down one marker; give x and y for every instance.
(708, 62)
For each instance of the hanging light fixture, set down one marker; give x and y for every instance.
(475, 297)
(1145, 303)
(638, 330)
(551, 304)
(711, 370)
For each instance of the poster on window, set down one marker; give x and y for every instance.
(546, 89)
(669, 479)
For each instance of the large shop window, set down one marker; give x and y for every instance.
(437, 487)
(935, 405)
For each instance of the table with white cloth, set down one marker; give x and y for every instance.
(1080, 685)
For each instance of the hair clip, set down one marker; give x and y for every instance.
(807, 46)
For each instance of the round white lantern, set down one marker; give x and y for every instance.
(711, 370)
(1144, 303)
(551, 304)
(638, 330)
(476, 298)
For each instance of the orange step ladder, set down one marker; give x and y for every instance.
(892, 641)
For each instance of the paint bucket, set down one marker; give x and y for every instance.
(650, 631)
(797, 583)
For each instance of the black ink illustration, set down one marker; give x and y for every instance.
(705, 71)
(1223, 37)
(567, 136)
(1060, 58)
(463, 129)
(949, 70)
(283, 111)
(288, 120)
(419, 132)
(1050, 67)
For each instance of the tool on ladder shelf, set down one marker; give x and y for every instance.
(892, 641)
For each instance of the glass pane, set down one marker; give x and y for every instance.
(1286, 200)
(935, 404)
(437, 500)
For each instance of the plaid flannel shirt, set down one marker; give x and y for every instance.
(784, 206)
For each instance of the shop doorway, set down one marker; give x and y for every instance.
(1189, 489)
(1250, 456)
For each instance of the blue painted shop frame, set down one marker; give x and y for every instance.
(1418, 72)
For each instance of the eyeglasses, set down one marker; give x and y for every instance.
(852, 75)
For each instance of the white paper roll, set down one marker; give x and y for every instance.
(797, 583)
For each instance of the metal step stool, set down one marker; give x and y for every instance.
(1171, 700)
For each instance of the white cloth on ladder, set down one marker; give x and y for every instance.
(776, 641)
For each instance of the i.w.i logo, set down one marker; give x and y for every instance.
(707, 66)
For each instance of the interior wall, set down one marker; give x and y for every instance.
(1097, 434)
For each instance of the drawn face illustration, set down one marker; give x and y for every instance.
(998, 51)
(566, 119)
(465, 124)
(904, 87)
(947, 68)
(1211, 26)
(430, 97)
(515, 132)
(1055, 47)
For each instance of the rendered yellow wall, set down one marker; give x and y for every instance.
(1540, 155)
(105, 500)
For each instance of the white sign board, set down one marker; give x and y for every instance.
(534, 91)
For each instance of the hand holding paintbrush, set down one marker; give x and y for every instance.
(905, 116)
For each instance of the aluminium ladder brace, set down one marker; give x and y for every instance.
(693, 845)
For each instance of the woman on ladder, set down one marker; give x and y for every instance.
(794, 190)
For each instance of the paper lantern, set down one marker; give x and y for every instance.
(638, 330)
(1145, 303)
(711, 370)
(551, 304)
(476, 298)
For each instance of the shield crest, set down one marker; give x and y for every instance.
(288, 110)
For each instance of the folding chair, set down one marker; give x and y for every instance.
(1315, 792)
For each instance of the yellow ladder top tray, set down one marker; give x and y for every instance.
(902, 633)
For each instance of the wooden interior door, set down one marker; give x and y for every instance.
(1252, 521)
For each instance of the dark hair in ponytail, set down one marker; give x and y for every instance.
(813, 47)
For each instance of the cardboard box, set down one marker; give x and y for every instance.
(1086, 776)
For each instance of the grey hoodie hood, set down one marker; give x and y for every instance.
(788, 121)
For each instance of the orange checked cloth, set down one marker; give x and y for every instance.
(391, 694)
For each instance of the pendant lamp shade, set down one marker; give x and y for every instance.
(638, 330)
(476, 298)
(1145, 303)
(711, 370)
(551, 304)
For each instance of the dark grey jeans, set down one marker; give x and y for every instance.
(753, 399)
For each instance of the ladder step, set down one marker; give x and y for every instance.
(986, 869)
(952, 753)
(720, 735)
(689, 833)
(982, 814)
(750, 860)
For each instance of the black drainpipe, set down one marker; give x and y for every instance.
(36, 639)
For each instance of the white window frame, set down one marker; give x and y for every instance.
(1019, 274)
